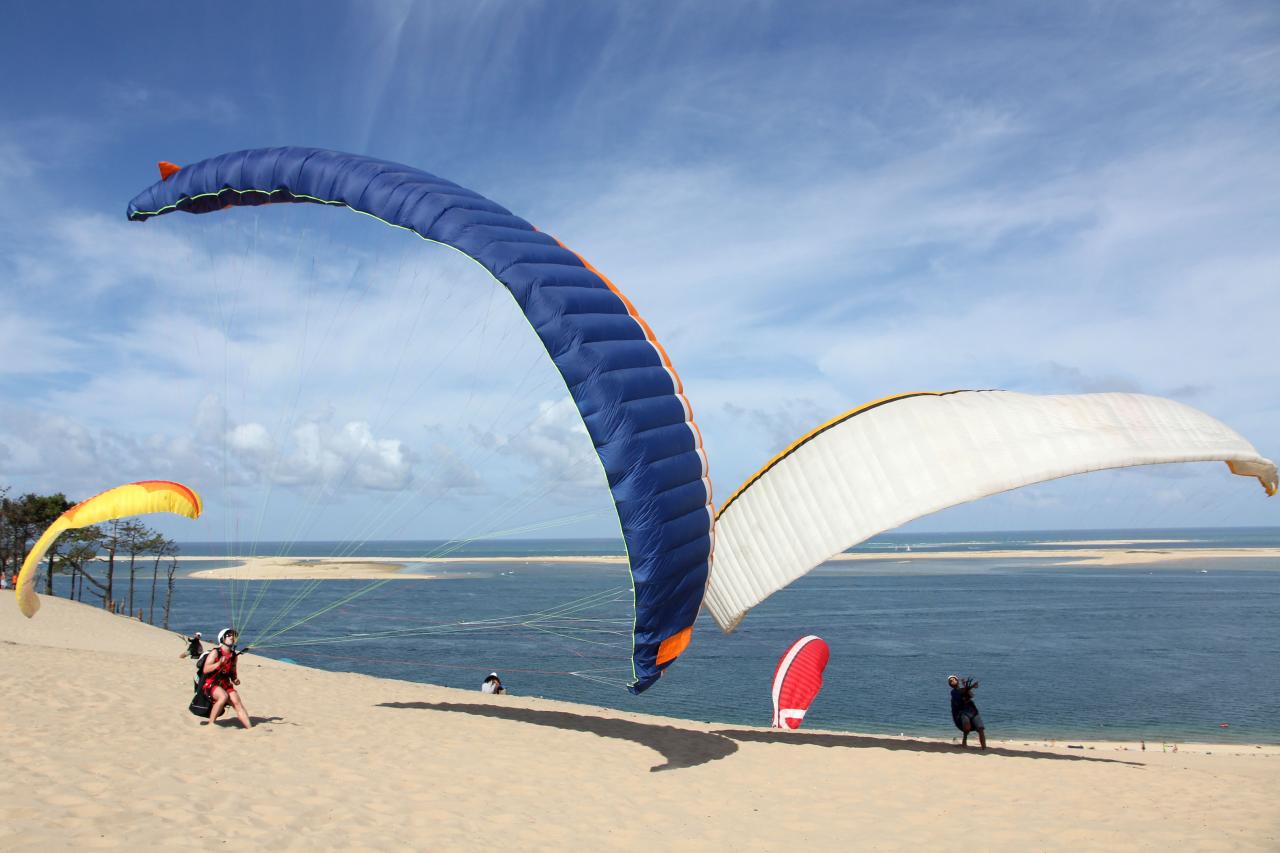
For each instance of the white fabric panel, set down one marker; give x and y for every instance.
(881, 466)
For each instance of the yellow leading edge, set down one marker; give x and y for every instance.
(130, 499)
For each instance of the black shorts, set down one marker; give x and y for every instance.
(974, 719)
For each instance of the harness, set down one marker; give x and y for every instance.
(202, 701)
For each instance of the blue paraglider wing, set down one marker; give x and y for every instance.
(618, 374)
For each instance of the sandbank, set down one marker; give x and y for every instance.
(99, 751)
(311, 568)
(392, 568)
(1075, 556)
(363, 568)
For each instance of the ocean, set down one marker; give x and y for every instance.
(1162, 652)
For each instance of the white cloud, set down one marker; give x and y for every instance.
(251, 440)
(1054, 209)
(554, 453)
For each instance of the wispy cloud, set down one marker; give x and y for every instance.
(813, 207)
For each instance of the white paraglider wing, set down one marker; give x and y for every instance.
(888, 462)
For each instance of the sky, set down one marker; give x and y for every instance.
(813, 205)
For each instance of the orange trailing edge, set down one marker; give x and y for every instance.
(130, 499)
(167, 169)
(672, 647)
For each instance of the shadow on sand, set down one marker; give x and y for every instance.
(680, 747)
(689, 747)
(230, 721)
(870, 742)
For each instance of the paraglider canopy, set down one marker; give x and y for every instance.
(620, 378)
(881, 465)
(139, 498)
(797, 679)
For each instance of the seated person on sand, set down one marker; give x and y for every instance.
(964, 713)
(220, 679)
(492, 684)
(195, 648)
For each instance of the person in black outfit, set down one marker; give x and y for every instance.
(195, 648)
(964, 713)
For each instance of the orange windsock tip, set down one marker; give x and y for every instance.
(167, 169)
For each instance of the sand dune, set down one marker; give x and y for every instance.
(98, 751)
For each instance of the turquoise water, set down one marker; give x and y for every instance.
(1162, 651)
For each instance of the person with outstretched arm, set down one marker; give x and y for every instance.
(964, 713)
(195, 648)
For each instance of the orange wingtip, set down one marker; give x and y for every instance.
(167, 169)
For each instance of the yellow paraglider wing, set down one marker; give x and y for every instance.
(131, 499)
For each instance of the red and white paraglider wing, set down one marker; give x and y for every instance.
(797, 680)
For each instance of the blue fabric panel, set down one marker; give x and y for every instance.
(621, 386)
(578, 287)
(624, 454)
(498, 256)
(651, 412)
(458, 217)
(662, 442)
(659, 537)
(621, 354)
(676, 470)
(608, 327)
(672, 504)
(616, 377)
(644, 414)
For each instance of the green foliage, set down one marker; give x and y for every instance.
(22, 520)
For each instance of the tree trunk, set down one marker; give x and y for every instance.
(168, 593)
(151, 609)
(98, 585)
(111, 565)
(132, 559)
(48, 578)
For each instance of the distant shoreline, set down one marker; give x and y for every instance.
(392, 568)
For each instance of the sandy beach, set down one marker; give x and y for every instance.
(383, 568)
(99, 751)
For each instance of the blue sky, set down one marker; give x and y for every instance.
(813, 205)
